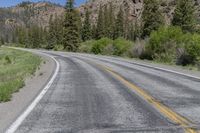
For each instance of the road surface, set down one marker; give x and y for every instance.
(97, 94)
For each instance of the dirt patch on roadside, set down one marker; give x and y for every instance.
(9, 111)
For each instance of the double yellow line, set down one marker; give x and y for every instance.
(167, 112)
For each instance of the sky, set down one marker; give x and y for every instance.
(8, 3)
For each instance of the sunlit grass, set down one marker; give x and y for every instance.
(15, 66)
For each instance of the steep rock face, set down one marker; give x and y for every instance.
(132, 8)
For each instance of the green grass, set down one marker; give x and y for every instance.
(15, 66)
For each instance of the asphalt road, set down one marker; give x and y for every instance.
(96, 94)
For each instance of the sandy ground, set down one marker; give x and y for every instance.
(9, 111)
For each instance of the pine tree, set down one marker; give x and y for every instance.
(51, 34)
(185, 15)
(137, 30)
(106, 21)
(44, 40)
(93, 31)
(131, 33)
(2, 41)
(111, 23)
(127, 26)
(151, 17)
(35, 36)
(22, 36)
(14, 36)
(71, 35)
(58, 29)
(7, 38)
(100, 24)
(119, 24)
(29, 38)
(55, 32)
(86, 29)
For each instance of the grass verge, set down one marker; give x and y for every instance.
(15, 66)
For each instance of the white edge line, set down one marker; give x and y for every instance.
(143, 65)
(167, 70)
(153, 67)
(158, 68)
(23, 116)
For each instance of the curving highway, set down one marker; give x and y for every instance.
(99, 94)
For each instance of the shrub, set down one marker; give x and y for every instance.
(122, 46)
(109, 50)
(86, 47)
(165, 38)
(192, 47)
(8, 60)
(182, 57)
(58, 47)
(170, 44)
(106, 46)
(163, 43)
(99, 45)
(138, 49)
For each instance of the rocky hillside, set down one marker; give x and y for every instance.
(133, 8)
(26, 14)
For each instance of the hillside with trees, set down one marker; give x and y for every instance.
(162, 31)
(26, 14)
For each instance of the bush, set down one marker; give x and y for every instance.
(58, 47)
(164, 39)
(138, 49)
(192, 47)
(100, 45)
(109, 50)
(163, 43)
(170, 44)
(182, 57)
(106, 46)
(7, 60)
(86, 47)
(122, 47)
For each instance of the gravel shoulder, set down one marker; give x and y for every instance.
(9, 111)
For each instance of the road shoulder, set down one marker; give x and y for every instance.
(9, 111)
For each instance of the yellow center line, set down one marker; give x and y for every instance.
(167, 112)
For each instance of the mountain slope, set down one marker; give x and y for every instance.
(132, 8)
(26, 14)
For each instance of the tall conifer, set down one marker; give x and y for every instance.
(119, 24)
(100, 24)
(71, 35)
(185, 15)
(86, 29)
(151, 17)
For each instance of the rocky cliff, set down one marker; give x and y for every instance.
(132, 8)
